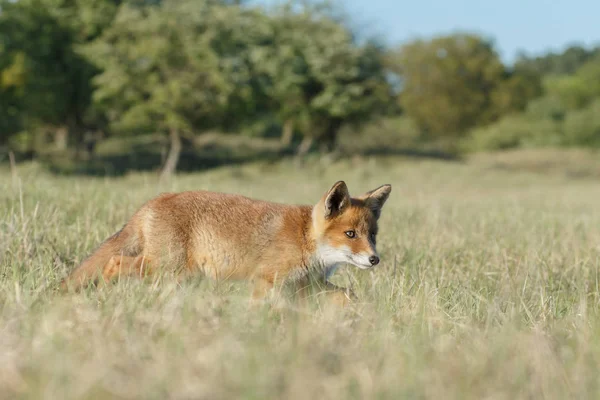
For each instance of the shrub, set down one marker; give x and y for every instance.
(514, 131)
(582, 127)
(384, 133)
(547, 108)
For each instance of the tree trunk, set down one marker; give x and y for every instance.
(329, 140)
(91, 141)
(31, 150)
(304, 146)
(287, 133)
(303, 149)
(61, 138)
(75, 133)
(174, 152)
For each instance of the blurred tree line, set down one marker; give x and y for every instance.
(74, 72)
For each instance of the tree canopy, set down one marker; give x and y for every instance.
(73, 68)
(453, 83)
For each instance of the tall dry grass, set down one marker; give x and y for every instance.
(488, 289)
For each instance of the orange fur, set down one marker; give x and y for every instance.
(227, 236)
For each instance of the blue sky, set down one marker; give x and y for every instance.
(534, 26)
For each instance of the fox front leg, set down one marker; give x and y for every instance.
(333, 294)
(339, 295)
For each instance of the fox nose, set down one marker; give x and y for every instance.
(374, 260)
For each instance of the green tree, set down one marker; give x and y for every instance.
(316, 77)
(565, 63)
(515, 91)
(11, 83)
(453, 83)
(578, 90)
(55, 92)
(168, 68)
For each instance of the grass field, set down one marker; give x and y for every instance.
(489, 288)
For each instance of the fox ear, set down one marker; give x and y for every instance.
(337, 199)
(376, 198)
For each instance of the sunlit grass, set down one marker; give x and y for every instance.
(488, 288)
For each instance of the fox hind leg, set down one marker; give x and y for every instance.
(261, 290)
(126, 266)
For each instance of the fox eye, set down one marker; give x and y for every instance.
(350, 234)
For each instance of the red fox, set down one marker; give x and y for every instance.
(228, 236)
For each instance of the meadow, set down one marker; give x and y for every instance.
(488, 288)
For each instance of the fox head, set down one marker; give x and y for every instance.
(345, 227)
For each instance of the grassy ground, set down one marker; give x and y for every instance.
(488, 289)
